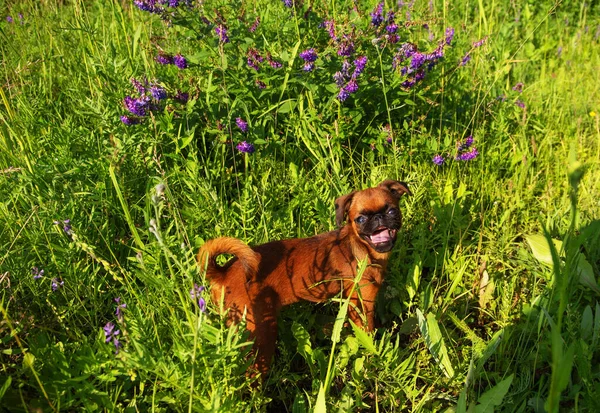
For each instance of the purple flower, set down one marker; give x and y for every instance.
(463, 146)
(346, 66)
(180, 61)
(479, 43)
(467, 156)
(309, 55)
(139, 86)
(164, 59)
(67, 226)
(37, 273)
(343, 95)
(274, 64)
(391, 28)
(449, 35)
(9, 19)
(120, 308)
(346, 47)
(136, 106)
(182, 97)
(359, 65)
(110, 334)
(260, 84)
(254, 59)
(330, 26)
(308, 67)
(518, 87)
(202, 304)
(438, 160)
(520, 104)
(339, 79)
(149, 6)
(129, 120)
(158, 92)
(351, 86)
(254, 25)
(56, 284)
(221, 31)
(465, 60)
(417, 61)
(245, 147)
(288, 3)
(242, 124)
(377, 15)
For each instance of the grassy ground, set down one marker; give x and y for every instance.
(479, 311)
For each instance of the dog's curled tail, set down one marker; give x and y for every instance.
(207, 256)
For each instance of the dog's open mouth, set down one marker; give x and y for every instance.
(382, 236)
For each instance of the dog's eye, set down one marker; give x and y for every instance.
(392, 211)
(360, 220)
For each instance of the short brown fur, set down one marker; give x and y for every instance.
(260, 280)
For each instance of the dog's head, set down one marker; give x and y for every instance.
(373, 214)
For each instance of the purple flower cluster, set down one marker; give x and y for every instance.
(449, 35)
(159, 7)
(465, 60)
(242, 124)
(254, 26)
(110, 334)
(37, 273)
(245, 147)
(309, 56)
(346, 47)
(196, 295)
(177, 60)
(465, 150)
(150, 96)
(119, 309)
(56, 284)
(518, 87)
(221, 31)
(415, 64)
(330, 26)
(66, 226)
(346, 81)
(520, 103)
(438, 160)
(377, 15)
(254, 58)
(479, 43)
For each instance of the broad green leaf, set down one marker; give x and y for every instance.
(540, 248)
(435, 342)
(364, 339)
(320, 406)
(303, 339)
(494, 396)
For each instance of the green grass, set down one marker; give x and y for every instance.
(479, 313)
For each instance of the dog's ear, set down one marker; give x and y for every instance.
(396, 188)
(342, 204)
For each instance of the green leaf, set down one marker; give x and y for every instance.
(364, 339)
(320, 406)
(494, 396)
(5, 386)
(541, 249)
(303, 339)
(430, 330)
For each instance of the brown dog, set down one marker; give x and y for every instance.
(260, 280)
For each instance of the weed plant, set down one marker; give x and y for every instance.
(131, 132)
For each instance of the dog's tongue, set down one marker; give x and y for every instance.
(381, 236)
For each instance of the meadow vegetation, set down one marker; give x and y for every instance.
(133, 131)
